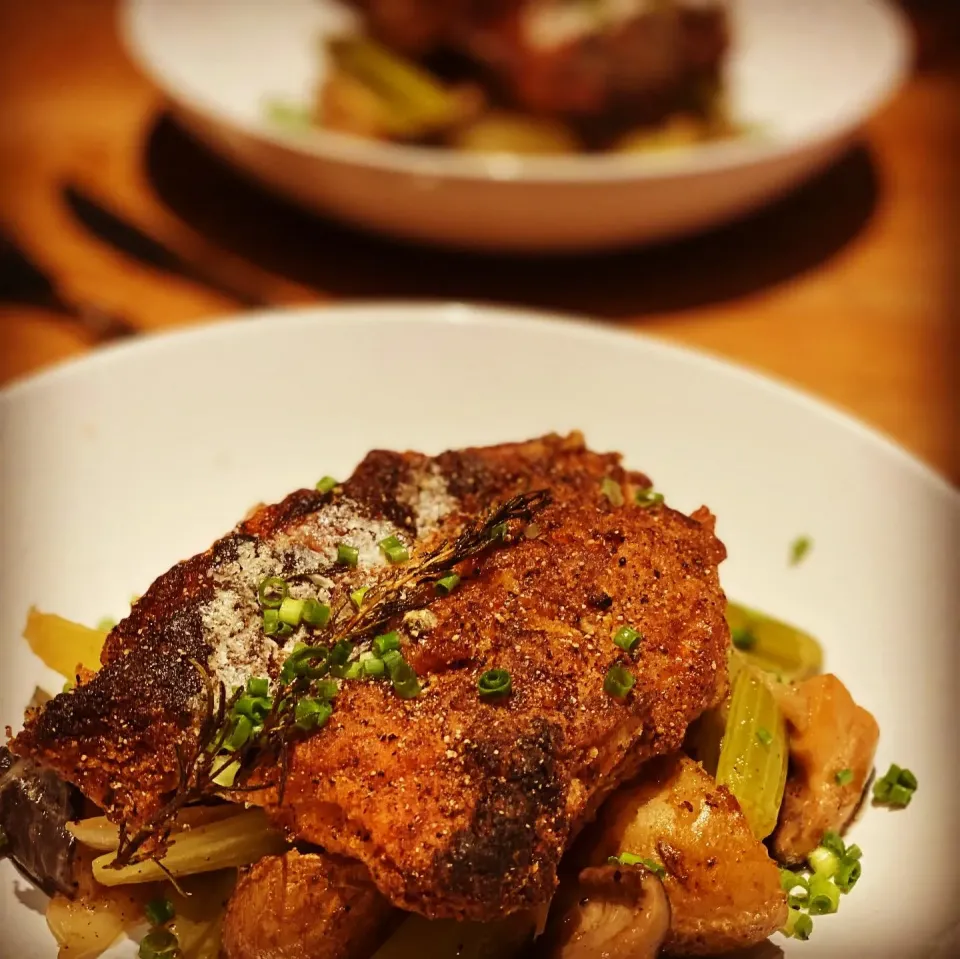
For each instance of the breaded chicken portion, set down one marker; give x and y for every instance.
(457, 805)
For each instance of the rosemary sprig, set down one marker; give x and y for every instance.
(407, 588)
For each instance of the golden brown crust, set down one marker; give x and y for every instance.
(304, 906)
(457, 807)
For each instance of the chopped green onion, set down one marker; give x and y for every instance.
(799, 925)
(799, 549)
(272, 591)
(405, 680)
(847, 875)
(796, 886)
(373, 666)
(610, 488)
(823, 862)
(631, 859)
(853, 852)
(447, 585)
(391, 658)
(159, 944)
(347, 555)
(626, 638)
(618, 682)
(68, 686)
(385, 642)
(291, 611)
(284, 629)
(834, 842)
(356, 597)
(311, 714)
(844, 777)
(341, 652)
(743, 638)
(824, 896)
(764, 736)
(394, 550)
(258, 686)
(271, 622)
(325, 484)
(494, 683)
(255, 708)
(352, 670)
(159, 911)
(326, 688)
(241, 732)
(315, 613)
(896, 788)
(647, 497)
(106, 624)
(298, 663)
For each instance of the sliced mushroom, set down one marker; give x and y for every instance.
(609, 912)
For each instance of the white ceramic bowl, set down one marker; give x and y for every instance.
(806, 72)
(116, 467)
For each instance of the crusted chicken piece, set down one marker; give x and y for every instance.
(456, 805)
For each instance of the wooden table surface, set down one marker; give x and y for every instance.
(845, 288)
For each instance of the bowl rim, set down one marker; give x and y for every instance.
(436, 163)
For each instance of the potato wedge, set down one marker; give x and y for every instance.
(723, 887)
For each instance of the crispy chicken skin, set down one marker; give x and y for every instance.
(305, 906)
(723, 887)
(458, 807)
(828, 732)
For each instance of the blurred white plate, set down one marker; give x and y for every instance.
(117, 466)
(806, 72)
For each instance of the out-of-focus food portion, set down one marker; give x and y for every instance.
(531, 76)
(723, 887)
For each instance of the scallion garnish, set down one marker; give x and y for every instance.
(326, 484)
(847, 874)
(626, 638)
(353, 670)
(764, 736)
(356, 597)
(341, 652)
(159, 944)
(743, 638)
(394, 550)
(799, 925)
(106, 624)
(272, 591)
(271, 622)
(405, 680)
(631, 859)
(386, 642)
(494, 683)
(347, 555)
(896, 788)
(373, 666)
(447, 584)
(315, 613)
(311, 713)
(305, 661)
(799, 549)
(824, 862)
(844, 777)
(241, 732)
(255, 708)
(824, 896)
(613, 491)
(159, 911)
(391, 658)
(258, 686)
(291, 611)
(834, 842)
(647, 497)
(618, 682)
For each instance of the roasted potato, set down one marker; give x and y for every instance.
(305, 906)
(827, 733)
(723, 887)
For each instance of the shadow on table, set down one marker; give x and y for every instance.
(784, 240)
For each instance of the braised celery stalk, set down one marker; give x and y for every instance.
(418, 104)
(774, 646)
(236, 841)
(98, 832)
(753, 757)
(449, 939)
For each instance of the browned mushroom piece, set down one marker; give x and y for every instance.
(608, 912)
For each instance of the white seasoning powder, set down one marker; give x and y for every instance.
(428, 496)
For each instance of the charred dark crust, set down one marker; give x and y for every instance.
(516, 815)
